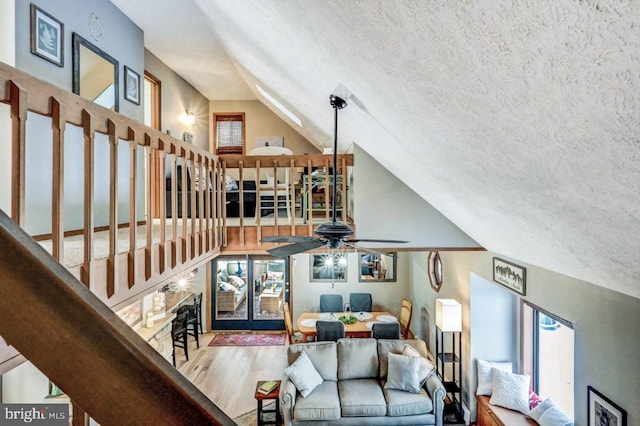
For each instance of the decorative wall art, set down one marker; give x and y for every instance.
(47, 36)
(131, 85)
(510, 275)
(603, 411)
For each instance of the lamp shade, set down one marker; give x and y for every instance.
(448, 315)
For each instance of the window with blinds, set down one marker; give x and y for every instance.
(229, 133)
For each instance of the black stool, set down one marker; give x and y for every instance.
(179, 335)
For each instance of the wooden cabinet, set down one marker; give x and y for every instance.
(492, 415)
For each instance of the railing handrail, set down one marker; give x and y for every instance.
(104, 366)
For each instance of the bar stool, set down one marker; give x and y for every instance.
(179, 335)
(192, 320)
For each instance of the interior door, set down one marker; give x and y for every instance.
(248, 292)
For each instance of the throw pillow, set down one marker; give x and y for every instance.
(539, 410)
(227, 287)
(303, 374)
(236, 281)
(403, 373)
(484, 374)
(510, 390)
(426, 367)
(555, 417)
(534, 399)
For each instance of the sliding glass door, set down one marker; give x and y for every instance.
(248, 292)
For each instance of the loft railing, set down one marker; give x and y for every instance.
(111, 277)
(80, 344)
(307, 182)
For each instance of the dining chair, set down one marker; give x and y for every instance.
(329, 331)
(198, 303)
(385, 330)
(331, 303)
(360, 302)
(179, 335)
(275, 190)
(406, 309)
(288, 323)
(192, 320)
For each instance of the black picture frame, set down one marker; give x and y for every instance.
(47, 36)
(131, 85)
(602, 411)
(510, 275)
(328, 268)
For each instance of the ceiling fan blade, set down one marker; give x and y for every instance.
(294, 248)
(360, 248)
(365, 240)
(287, 239)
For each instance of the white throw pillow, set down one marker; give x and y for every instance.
(510, 390)
(303, 374)
(540, 409)
(227, 287)
(236, 281)
(426, 367)
(555, 417)
(484, 374)
(402, 373)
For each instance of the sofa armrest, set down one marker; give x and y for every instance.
(436, 390)
(287, 399)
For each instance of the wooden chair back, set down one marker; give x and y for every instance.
(288, 322)
(406, 309)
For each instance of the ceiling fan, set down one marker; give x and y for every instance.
(331, 234)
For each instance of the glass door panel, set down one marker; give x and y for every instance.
(270, 289)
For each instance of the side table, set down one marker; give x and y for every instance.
(262, 397)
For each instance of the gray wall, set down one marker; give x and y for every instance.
(607, 342)
(121, 39)
(177, 96)
(386, 208)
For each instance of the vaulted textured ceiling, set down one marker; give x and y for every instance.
(518, 120)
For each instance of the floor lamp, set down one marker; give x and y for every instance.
(449, 322)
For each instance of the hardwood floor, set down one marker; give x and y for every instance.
(228, 374)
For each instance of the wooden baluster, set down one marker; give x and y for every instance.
(208, 192)
(343, 197)
(218, 204)
(309, 190)
(201, 198)
(223, 204)
(258, 204)
(192, 235)
(327, 186)
(18, 99)
(133, 213)
(292, 197)
(57, 188)
(149, 158)
(241, 201)
(88, 126)
(275, 196)
(174, 206)
(185, 207)
(112, 264)
(161, 156)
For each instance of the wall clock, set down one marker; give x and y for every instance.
(434, 266)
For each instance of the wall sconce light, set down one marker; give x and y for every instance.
(189, 118)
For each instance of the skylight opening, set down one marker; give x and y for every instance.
(281, 107)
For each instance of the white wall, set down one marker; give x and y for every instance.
(386, 208)
(606, 339)
(24, 384)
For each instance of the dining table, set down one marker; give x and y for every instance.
(361, 328)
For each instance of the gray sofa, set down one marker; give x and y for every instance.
(354, 373)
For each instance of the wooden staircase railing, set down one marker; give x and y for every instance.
(79, 343)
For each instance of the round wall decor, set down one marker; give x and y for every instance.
(434, 266)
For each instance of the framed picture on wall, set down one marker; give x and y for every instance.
(510, 275)
(603, 411)
(47, 36)
(131, 85)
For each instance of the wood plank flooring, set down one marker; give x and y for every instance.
(228, 374)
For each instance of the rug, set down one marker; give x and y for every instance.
(248, 339)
